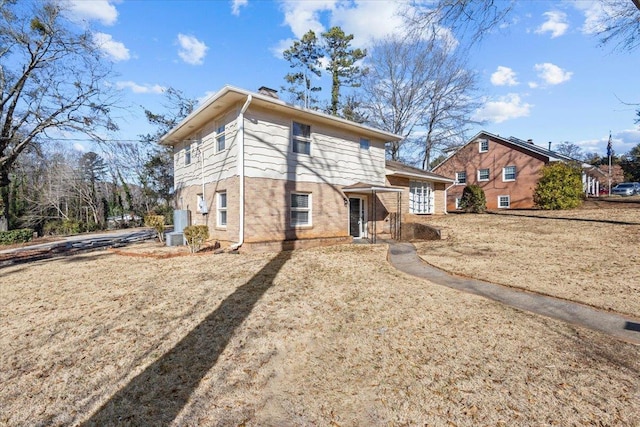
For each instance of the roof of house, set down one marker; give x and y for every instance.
(400, 169)
(230, 97)
(552, 156)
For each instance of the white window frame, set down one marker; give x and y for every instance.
(307, 209)
(301, 138)
(488, 174)
(421, 202)
(365, 144)
(504, 173)
(458, 200)
(483, 145)
(221, 136)
(508, 200)
(187, 154)
(221, 209)
(458, 182)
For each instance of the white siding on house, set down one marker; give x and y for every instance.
(217, 166)
(336, 157)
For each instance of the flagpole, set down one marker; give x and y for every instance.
(609, 154)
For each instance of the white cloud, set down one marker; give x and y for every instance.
(552, 74)
(79, 147)
(622, 142)
(302, 16)
(504, 76)
(115, 50)
(595, 15)
(93, 10)
(236, 5)
(192, 51)
(505, 108)
(556, 24)
(136, 88)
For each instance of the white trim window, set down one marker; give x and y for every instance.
(483, 174)
(458, 200)
(364, 144)
(187, 154)
(220, 139)
(461, 178)
(221, 207)
(301, 138)
(483, 145)
(509, 173)
(421, 197)
(504, 202)
(300, 206)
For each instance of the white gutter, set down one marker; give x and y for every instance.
(445, 195)
(240, 137)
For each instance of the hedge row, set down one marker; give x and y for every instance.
(21, 235)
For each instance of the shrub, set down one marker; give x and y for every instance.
(196, 235)
(560, 187)
(473, 199)
(157, 223)
(21, 235)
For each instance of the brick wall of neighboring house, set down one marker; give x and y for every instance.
(187, 197)
(498, 156)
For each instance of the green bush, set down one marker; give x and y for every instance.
(195, 236)
(67, 226)
(21, 235)
(473, 199)
(157, 223)
(560, 187)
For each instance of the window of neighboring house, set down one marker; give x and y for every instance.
(187, 154)
(220, 139)
(509, 173)
(300, 209)
(458, 199)
(421, 197)
(483, 174)
(221, 206)
(364, 144)
(504, 202)
(301, 138)
(461, 178)
(202, 204)
(483, 145)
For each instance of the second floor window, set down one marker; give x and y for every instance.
(187, 155)
(483, 174)
(364, 144)
(220, 139)
(301, 138)
(509, 173)
(461, 177)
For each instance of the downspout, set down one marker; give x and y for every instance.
(241, 171)
(445, 195)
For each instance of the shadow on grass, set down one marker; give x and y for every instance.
(158, 394)
(602, 221)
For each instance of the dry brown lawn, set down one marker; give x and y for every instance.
(587, 255)
(328, 336)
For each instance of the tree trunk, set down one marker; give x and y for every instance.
(4, 202)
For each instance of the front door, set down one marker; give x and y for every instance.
(357, 221)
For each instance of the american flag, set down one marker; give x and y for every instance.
(609, 149)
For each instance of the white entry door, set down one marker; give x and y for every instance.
(357, 218)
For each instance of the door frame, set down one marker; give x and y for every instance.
(362, 215)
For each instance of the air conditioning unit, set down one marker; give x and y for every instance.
(174, 239)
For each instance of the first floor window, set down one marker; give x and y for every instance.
(300, 209)
(461, 177)
(509, 173)
(483, 174)
(421, 197)
(504, 202)
(458, 200)
(222, 209)
(301, 138)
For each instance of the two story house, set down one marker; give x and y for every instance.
(264, 174)
(507, 169)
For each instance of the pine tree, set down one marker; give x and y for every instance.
(304, 55)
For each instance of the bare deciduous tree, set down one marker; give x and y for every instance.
(51, 78)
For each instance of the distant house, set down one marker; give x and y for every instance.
(264, 174)
(507, 169)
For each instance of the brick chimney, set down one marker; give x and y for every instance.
(530, 141)
(268, 92)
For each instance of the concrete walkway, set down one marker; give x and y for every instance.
(403, 256)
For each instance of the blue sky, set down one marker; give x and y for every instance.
(543, 75)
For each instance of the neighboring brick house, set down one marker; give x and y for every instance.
(507, 169)
(264, 174)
